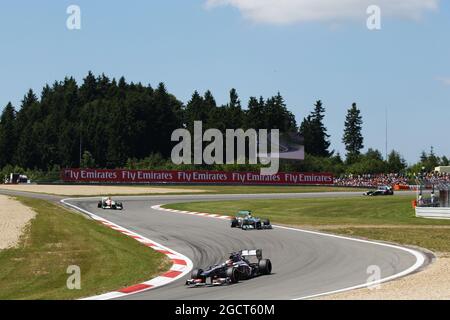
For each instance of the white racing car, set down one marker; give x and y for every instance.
(108, 203)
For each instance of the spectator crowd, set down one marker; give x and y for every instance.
(392, 179)
(371, 180)
(435, 178)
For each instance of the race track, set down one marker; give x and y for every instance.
(305, 264)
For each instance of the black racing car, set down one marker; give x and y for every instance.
(381, 191)
(237, 267)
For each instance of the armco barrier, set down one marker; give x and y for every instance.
(436, 213)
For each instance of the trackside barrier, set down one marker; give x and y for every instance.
(433, 213)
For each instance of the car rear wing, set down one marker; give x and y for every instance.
(252, 253)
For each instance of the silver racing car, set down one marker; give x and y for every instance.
(245, 220)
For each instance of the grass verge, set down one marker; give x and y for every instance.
(382, 218)
(57, 239)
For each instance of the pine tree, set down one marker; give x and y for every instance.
(8, 136)
(306, 130)
(210, 102)
(195, 111)
(396, 163)
(353, 139)
(29, 114)
(423, 157)
(282, 117)
(167, 117)
(321, 136)
(209, 105)
(234, 114)
(254, 116)
(88, 90)
(315, 133)
(433, 160)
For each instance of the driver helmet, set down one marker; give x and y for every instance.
(235, 257)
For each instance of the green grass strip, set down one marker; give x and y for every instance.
(56, 239)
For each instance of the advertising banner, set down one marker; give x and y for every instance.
(209, 177)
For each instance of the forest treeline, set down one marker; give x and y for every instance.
(109, 123)
(115, 121)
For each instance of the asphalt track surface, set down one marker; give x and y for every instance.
(305, 264)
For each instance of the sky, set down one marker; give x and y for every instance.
(305, 49)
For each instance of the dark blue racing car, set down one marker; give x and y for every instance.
(237, 267)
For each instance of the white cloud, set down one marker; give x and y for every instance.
(292, 11)
(444, 80)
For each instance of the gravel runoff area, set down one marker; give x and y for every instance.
(71, 190)
(429, 284)
(14, 217)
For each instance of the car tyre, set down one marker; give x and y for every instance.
(233, 275)
(196, 274)
(265, 266)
